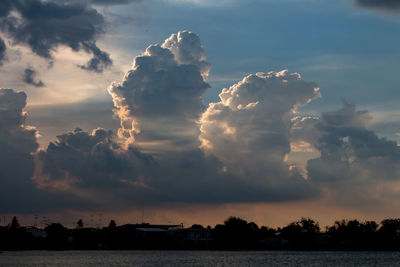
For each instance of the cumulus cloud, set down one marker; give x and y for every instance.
(30, 77)
(186, 48)
(94, 167)
(346, 141)
(159, 160)
(385, 5)
(354, 162)
(160, 99)
(45, 25)
(249, 129)
(18, 192)
(172, 149)
(92, 158)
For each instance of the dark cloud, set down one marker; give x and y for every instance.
(94, 165)
(345, 141)
(99, 61)
(385, 5)
(113, 2)
(18, 190)
(2, 51)
(29, 77)
(355, 165)
(44, 25)
(93, 158)
(101, 2)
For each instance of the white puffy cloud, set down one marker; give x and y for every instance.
(159, 160)
(250, 128)
(174, 150)
(187, 50)
(160, 98)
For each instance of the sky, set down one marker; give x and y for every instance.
(190, 111)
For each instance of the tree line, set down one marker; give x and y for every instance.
(234, 234)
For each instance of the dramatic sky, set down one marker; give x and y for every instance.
(190, 111)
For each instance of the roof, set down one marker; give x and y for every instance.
(147, 225)
(151, 230)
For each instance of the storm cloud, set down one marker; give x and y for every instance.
(45, 25)
(18, 191)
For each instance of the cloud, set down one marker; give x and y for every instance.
(385, 5)
(170, 148)
(345, 140)
(157, 159)
(355, 164)
(160, 99)
(30, 77)
(204, 3)
(99, 61)
(249, 129)
(94, 159)
(43, 26)
(18, 192)
(94, 167)
(113, 2)
(2, 51)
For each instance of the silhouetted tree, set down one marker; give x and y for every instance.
(353, 234)
(301, 234)
(57, 236)
(266, 232)
(389, 233)
(253, 226)
(14, 223)
(112, 224)
(79, 224)
(235, 223)
(235, 233)
(197, 226)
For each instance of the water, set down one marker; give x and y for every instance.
(195, 258)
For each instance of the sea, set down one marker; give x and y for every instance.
(195, 258)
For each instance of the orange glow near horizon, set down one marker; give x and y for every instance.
(263, 214)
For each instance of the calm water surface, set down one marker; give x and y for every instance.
(196, 258)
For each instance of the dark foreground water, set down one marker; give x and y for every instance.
(196, 258)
